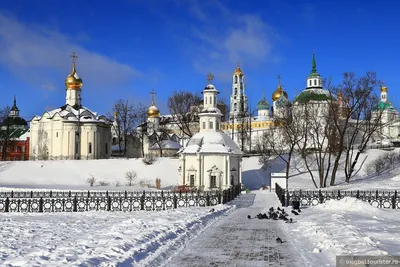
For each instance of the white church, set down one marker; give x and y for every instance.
(211, 159)
(71, 131)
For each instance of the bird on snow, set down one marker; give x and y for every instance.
(212, 210)
(295, 212)
(248, 217)
(290, 221)
(279, 240)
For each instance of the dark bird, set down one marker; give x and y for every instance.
(248, 217)
(279, 240)
(299, 210)
(295, 212)
(212, 210)
(278, 208)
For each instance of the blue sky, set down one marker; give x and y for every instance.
(128, 47)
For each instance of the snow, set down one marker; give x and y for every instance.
(338, 227)
(211, 142)
(99, 238)
(345, 227)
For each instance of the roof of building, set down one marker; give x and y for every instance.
(166, 145)
(282, 102)
(263, 104)
(385, 106)
(14, 121)
(315, 94)
(211, 143)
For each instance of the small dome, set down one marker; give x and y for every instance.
(263, 104)
(278, 92)
(73, 81)
(14, 122)
(153, 111)
(282, 102)
(384, 89)
(238, 71)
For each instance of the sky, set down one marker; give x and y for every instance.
(126, 48)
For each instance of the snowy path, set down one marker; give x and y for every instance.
(235, 240)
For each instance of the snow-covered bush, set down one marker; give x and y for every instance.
(91, 180)
(130, 177)
(104, 183)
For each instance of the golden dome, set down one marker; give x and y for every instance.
(73, 81)
(238, 71)
(384, 89)
(278, 92)
(153, 111)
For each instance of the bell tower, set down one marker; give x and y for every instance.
(73, 85)
(238, 107)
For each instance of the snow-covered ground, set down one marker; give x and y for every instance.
(99, 238)
(345, 227)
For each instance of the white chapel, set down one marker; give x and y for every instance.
(71, 131)
(211, 159)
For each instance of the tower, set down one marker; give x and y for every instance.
(279, 93)
(314, 80)
(210, 116)
(73, 85)
(384, 91)
(14, 111)
(238, 96)
(263, 107)
(153, 116)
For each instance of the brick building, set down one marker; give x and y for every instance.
(14, 136)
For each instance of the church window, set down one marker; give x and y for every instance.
(210, 125)
(191, 180)
(213, 181)
(90, 148)
(210, 100)
(235, 91)
(56, 134)
(106, 148)
(315, 82)
(204, 124)
(236, 79)
(310, 82)
(15, 149)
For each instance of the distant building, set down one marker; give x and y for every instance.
(210, 160)
(14, 136)
(71, 131)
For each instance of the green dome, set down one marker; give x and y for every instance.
(263, 104)
(385, 106)
(14, 121)
(313, 95)
(282, 102)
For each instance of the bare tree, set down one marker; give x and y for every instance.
(140, 131)
(183, 106)
(5, 131)
(126, 116)
(157, 138)
(130, 177)
(353, 118)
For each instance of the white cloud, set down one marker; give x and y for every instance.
(35, 54)
(222, 38)
(48, 86)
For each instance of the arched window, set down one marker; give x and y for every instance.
(315, 82)
(90, 148)
(236, 79)
(310, 82)
(210, 100)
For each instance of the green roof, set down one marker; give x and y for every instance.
(313, 95)
(385, 106)
(282, 101)
(14, 121)
(263, 104)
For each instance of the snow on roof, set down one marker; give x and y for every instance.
(211, 142)
(211, 110)
(71, 113)
(167, 145)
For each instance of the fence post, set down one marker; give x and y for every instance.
(7, 205)
(338, 195)
(142, 200)
(358, 194)
(88, 194)
(175, 201)
(41, 204)
(219, 197)
(12, 194)
(31, 194)
(208, 199)
(320, 196)
(75, 204)
(109, 203)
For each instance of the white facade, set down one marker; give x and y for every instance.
(211, 159)
(71, 131)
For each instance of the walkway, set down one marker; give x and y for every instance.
(234, 240)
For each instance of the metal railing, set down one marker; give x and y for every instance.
(79, 201)
(377, 198)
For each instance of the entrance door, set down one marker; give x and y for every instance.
(213, 181)
(191, 180)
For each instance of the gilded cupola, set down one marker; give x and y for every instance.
(73, 81)
(153, 111)
(384, 89)
(279, 91)
(238, 70)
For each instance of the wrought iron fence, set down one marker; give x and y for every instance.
(377, 198)
(79, 201)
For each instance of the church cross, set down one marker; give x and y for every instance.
(263, 93)
(74, 57)
(210, 77)
(238, 65)
(152, 95)
(279, 79)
